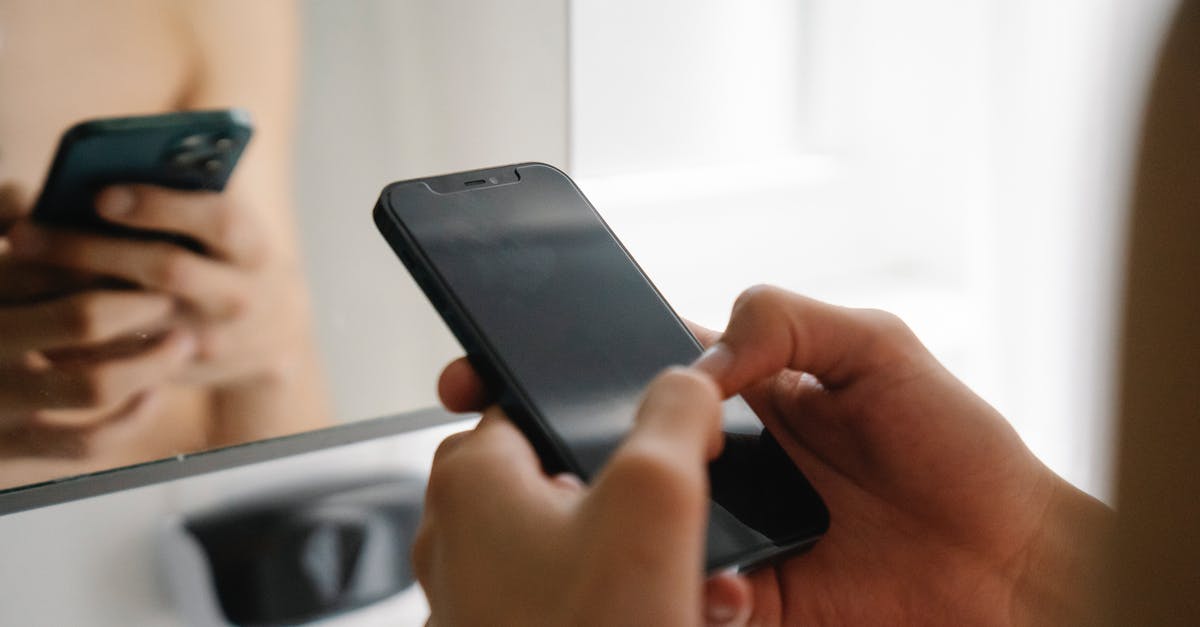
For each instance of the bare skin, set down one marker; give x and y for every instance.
(209, 349)
(940, 515)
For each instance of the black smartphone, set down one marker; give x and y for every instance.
(558, 318)
(187, 150)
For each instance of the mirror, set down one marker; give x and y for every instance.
(106, 361)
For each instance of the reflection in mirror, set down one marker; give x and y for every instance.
(278, 310)
(119, 349)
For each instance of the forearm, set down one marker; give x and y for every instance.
(1065, 566)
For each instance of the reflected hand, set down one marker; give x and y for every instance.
(940, 515)
(238, 297)
(77, 365)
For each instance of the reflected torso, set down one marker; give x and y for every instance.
(111, 58)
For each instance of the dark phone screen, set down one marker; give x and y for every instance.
(581, 331)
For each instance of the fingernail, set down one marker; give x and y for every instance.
(715, 362)
(569, 480)
(116, 202)
(717, 614)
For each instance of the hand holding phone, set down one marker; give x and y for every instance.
(143, 260)
(184, 150)
(558, 318)
(940, 515)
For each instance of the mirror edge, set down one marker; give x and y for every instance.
(78, 487)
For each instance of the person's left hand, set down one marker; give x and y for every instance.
(238, 297)
(503, 544)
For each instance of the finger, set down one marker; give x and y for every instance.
(771, 330)
(461, 389)
(705, 335)
(213, 288)
(649, 505)
(728, 600)
(82, 440)
(224, 229)
(111, 382)
(84, 319)
(492, 461)
(656, 479)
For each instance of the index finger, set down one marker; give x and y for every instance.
(461, 389)
(213, 286)
(771, 330)
(224, 229)
(652, 496)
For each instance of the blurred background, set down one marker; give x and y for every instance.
(962, 163)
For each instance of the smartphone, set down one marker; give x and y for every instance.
(568, 331)
(186, 150)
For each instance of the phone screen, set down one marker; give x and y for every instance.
(579, 332)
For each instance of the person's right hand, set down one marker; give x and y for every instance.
(939, 513)
(76, 360)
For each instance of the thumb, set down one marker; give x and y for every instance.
(772, 330)
(653, 494)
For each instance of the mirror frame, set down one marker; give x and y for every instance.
(73, 488)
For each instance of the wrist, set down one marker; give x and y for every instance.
(1064, 566)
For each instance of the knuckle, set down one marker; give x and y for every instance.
(760, 298)
(237, 305)
(95, 388)
(457, 477)
(225, 226)
(98, 386)
(688, 382)
(174, 270)
(887, 325)
(660, 479)
(82, 319)
(448, 445)
(209, 344)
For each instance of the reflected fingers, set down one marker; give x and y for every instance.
(32, 389)
(214, 289)
(225, 230)
(85, 319)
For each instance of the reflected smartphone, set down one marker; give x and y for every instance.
(186, 150)
(561, 322)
